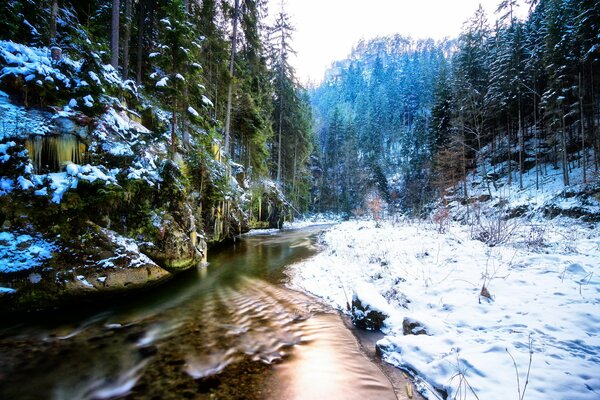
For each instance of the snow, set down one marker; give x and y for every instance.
(193, 112)
(4, 151)
(368, 295)
(61, 182)
(261, 232)
(26, 61)
(412, 272)
(313, 219)
(41, 192)
(207, 101)
(72, 169)
(127, 249)
(21, 252)
(25, 184)
(18, 121)
(82, 279)
(6, 185)
(163, 82)
(117, 148)
(95, 78)
(88, 101)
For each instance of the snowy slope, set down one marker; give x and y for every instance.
(550, 295)
(543, 280)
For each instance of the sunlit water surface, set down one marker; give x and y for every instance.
(229, 330)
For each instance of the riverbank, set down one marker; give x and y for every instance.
(464, 316)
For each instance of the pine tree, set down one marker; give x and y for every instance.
(178, 72)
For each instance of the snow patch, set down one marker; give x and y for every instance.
(21, 252)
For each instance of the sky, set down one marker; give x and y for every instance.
(326, 30)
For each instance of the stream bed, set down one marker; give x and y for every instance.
(230, 330)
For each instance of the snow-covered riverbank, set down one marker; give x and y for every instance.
(545, 296)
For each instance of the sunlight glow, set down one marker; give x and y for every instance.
(326, 30)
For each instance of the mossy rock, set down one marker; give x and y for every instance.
(173, 249)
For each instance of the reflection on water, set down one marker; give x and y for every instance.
(331, 367)
(226, 331)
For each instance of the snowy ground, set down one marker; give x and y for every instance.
(546, 291)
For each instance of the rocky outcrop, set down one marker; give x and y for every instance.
(103, 265)
(268, 206)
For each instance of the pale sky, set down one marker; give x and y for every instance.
(326, 30)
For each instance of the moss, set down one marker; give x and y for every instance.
(180, 264)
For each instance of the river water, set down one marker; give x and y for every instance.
(227, 331)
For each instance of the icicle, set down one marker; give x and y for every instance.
(67, 150)
(34, 146)
(54, 152)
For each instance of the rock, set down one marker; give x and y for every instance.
(174, 250)
(413, 327)
(108, 264)
(363, 317)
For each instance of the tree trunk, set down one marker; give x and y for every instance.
(114, 35)
(508, 135)
(565, 166)
(53, 17)
(126, 38)
(185, 119)
(521, 145)
(536, 138)
(231, 70)
(581, 118)
(140, 42)
(295, 166)
(596, 143)
(173, 132)
(280, 125)
(464, 159)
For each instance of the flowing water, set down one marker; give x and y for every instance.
(226, 331)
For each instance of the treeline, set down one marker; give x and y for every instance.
(502, 99)
(214, 66)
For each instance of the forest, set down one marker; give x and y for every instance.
(504, 97)
(215, 67)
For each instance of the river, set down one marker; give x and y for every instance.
(230, 330)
